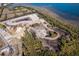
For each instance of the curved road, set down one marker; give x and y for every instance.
(34, 16)
(13, 22)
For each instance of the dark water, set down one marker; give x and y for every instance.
(69, 11)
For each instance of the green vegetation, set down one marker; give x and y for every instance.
(33, 46)
(67, 48)
(24, 8)
(2, 26)
(29, 8)
(30, 44)
(20, 8)
(53, 34)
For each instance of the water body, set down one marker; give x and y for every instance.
(68, 11)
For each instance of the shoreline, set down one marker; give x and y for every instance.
(55, 15)
(49, 12)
